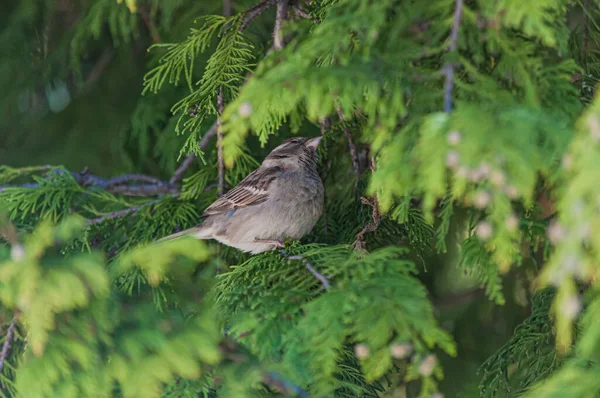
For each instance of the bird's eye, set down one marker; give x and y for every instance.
(278, 168)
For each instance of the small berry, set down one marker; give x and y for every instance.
(361, 351)
(497, 178)
(245, 110)
(428, 365)
(463, 172)
(485, 169)
(475, 175)
(571, 263)
(454, 137)
(571, 307)
(400, 351)
(484, 230)
(511, 191)
(578, 208)
(482, 199)
(556, 232)
(452, 159)
(511, 223)
(17, 252)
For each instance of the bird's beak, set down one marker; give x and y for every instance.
(313, 142)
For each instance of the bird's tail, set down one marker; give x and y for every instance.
(196, 232)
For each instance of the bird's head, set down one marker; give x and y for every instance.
(294, 153)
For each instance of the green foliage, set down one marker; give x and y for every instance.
(499, 194)
(528, 357)
(313, 329)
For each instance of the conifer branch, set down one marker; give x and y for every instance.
(301, 13)
(125, 178)
(178, 174)
(6, 346)
(281, 15)
(9, 233)
(127, 211)
(253, 12)
(227, 7)
(220, 107)
(155, 186)
(449, 68)
(113, 185)
(372, 226)
(322, 278)
(220, 160)
(99, 68)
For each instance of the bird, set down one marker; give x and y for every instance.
(281, 199)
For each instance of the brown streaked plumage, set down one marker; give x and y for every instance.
(282, 198)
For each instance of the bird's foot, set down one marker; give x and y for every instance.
(278, 244)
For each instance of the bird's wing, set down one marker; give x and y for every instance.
(252, 190)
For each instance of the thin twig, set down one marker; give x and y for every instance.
(353, 151)
(9, 232)
(301, 13)
(449, 68)
(125, 178)
(281, 15)
(125, 212)
(221, 163)
(227, 7)
(114, 185)
(253, 12)
(98, 68)
(220, 107)
(135, 209)
(178, 174)
(6, 345)
(372, 226)
(322, 278)
(150, 25)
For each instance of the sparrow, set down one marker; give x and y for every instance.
(281, 199)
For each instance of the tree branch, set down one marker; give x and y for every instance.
(114, 185)
(449, 68)
(221, 163)
(253, 12)
(301, 13)
(178, 174)
(322, 278)
(281, 15)
(372, 226)
(6, 345)
(150, 25)
(125, 212)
